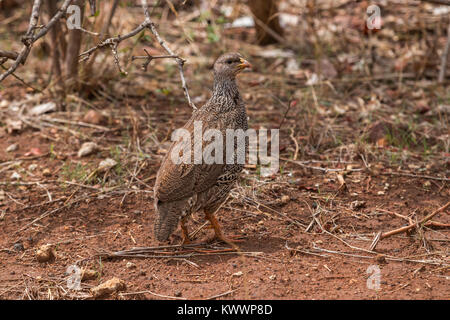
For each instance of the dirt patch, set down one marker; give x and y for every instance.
(282, 261)
(364, 148)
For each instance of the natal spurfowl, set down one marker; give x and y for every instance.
(182, 189)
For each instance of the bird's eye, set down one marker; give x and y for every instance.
(229, 61)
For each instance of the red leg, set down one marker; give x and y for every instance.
(218, 231)
(185, 232)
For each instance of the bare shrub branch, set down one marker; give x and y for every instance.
(30, 38)
(114, 42)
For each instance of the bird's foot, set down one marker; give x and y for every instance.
(186, 240)
(230, 241)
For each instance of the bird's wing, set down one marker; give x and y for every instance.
(177, 181)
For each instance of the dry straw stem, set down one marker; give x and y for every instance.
(174, 252)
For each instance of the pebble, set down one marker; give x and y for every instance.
(93, 117)
(45, 253)
(12, 147)
(87, 148)
(15, 176)
(18, 246)
(89, 274)
(109, 287)
(42, 108)
(357, 204)
(178, 294)
(285, 199)
(106, 164)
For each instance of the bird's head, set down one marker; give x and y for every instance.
(229, 65)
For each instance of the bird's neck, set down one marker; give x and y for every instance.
(226, 92)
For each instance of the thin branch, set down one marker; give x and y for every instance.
(421, 222)
(170, 52)
(114, 40)
(148, 58)
(147, 24)
(384, 235)
(29, 38)
(21, 80)
(9, 54)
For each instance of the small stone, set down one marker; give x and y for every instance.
(18, 246)
(178, 294)
(106, 164)
(89, 274)
(87, 148)
(130, 265)
(45, 253)
(380, 193)
(32, 167)
(357, 204)
(15, 176)
(238, 274)
(109, 287)
(285, 199)
(13, 126)
(13, 147)
(273, 277)
(93, 117)
(46, 172)
(380, 258)
(42, 108)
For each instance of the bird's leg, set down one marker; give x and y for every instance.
(185, 232)
(218, 231)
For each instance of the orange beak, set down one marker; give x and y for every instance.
(244, 64)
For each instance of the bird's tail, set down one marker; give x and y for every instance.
(167, 217)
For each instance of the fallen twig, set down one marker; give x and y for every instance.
(405, 174)
(408, 227)
(152, 293)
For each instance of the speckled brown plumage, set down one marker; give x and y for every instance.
(182, 189)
